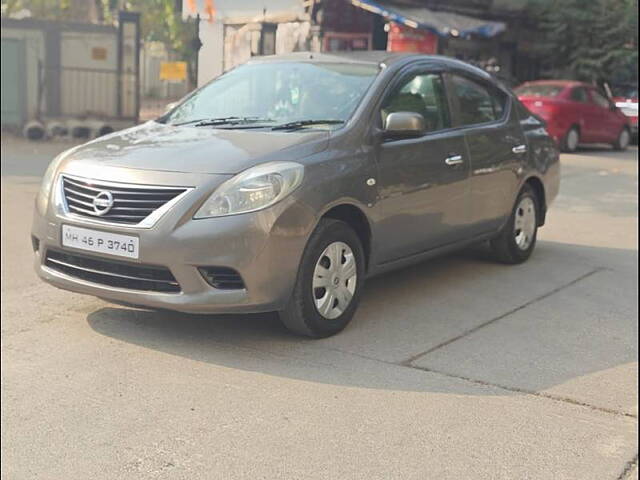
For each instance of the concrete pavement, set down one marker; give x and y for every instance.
(455, 368)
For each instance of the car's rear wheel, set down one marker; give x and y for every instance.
(329, 282)
(623, 140)
(516, 241)
(571, 140)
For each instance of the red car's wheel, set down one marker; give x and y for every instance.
(571, 140)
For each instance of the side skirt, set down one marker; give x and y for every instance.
(421, 257)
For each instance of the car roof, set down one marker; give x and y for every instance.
(372, 57)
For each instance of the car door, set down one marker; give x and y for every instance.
(497, 148)
(423, 190)
(609, 123)
(580, 111)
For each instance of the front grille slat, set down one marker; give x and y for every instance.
(81, 202)
(112, 272)
(96, 186)
(76, 192)
(81, 210)
(128, 216)
(131, 203)
(146, 210)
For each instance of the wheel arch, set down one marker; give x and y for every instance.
(355, 217)
(536, 184)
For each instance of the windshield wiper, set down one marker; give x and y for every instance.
(206, 122)
(303, 123)
(231, 121)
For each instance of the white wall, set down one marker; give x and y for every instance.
(211, 55)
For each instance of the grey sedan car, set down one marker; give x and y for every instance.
(284, 183)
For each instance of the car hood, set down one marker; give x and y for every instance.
(206, 150)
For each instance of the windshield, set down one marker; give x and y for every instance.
(541, 90)
(279, 92)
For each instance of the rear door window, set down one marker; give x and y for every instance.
(477, 103)
(600, 99)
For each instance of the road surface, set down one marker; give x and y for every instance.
(455, 368)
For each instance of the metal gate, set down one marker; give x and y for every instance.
(12, 102)
(89, 92)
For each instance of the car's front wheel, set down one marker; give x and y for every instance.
(517, 239)
(329, 282)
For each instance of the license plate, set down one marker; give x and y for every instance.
(101, 242)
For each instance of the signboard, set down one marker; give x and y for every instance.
(173, 71)
(98, 53)
(406, 39)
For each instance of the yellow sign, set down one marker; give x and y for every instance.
(173, 71)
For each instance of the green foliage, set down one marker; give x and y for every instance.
(588, 39)
(47, 9)
(162, 22)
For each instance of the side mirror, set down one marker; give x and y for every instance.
(612, 107)
(404, 125)
(170, 106)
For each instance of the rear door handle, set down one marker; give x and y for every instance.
(453, 160)
(519, 149)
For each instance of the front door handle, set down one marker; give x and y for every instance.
(519, 149)
(453, 160)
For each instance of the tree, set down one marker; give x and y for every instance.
(589, 40)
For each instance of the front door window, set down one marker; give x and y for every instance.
(423, 94)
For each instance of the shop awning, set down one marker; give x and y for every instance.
(444, 24)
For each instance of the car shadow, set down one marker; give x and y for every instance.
(604, 150)
(403, 314)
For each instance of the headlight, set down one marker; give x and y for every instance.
(47, 183)
(254, 189)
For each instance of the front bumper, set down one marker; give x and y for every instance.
(264, 247)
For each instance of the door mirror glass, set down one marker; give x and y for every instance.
(404, 124)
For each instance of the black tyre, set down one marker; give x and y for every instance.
(329, 283)
(516, 241)
(623, 140)
(571, 140)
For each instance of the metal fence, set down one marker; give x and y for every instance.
(87, 92)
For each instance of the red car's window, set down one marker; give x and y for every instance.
(579, 94)
(599, 99)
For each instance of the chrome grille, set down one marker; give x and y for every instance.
(131, 204)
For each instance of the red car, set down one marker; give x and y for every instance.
(576, 113)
